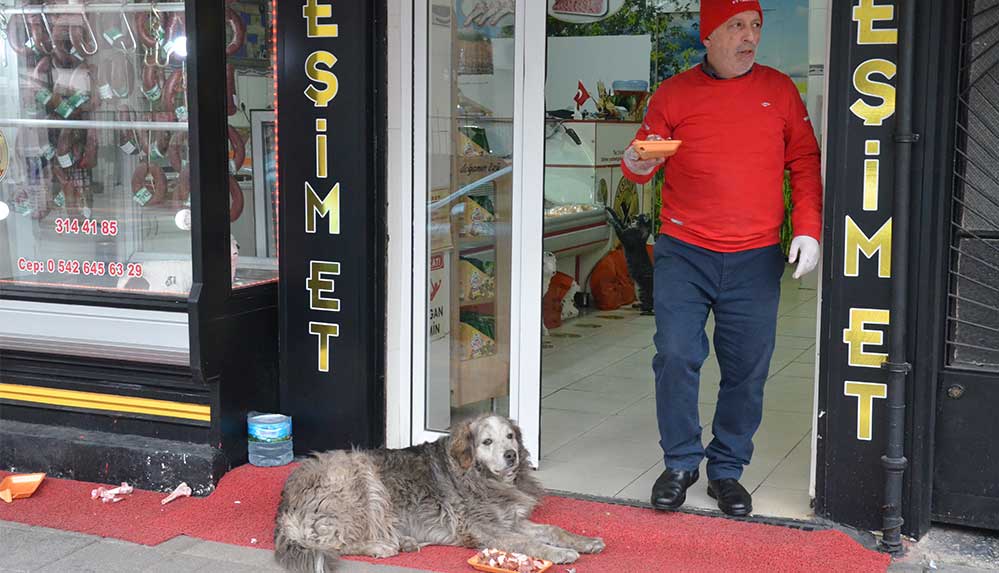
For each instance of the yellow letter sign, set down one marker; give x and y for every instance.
(856, 337)
(862, 82)
(865, 392)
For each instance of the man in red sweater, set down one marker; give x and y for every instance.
(741, 125)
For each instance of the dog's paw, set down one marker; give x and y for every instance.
(591, 545)
(377, 550)
(408, 545)
(560, 555)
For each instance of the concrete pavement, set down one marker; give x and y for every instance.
(30, 549)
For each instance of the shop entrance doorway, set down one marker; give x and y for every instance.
(599, 432)
(510, 190)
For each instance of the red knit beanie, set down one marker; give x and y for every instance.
(714, 13)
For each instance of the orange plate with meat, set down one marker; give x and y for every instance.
(474, 561)
(652, 148)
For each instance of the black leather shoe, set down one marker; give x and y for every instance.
(732, 498)
(670, 490)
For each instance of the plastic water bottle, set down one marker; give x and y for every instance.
(267, 454)
(269, 440)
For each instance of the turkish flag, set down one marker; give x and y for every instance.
(581, 95)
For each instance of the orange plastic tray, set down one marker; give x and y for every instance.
(19, 485)
(474, 562)
(656, 148)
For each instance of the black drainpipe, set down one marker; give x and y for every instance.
(894, 461)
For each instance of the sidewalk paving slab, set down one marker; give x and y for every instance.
(31, 549)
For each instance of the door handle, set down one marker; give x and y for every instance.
(955, 391)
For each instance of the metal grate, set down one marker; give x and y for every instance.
(973, 294)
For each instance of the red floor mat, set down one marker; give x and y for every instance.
(241, 512)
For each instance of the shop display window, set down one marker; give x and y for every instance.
(95, 117)
(96, 192)
(250, 105)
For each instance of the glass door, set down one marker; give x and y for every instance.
(477, 276)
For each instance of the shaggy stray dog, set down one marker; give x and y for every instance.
(473, 488)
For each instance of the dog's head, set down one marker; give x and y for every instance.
(492, 442)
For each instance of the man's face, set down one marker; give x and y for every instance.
(732, 46)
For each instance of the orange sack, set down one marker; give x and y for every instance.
(610, 283)
(551, 304)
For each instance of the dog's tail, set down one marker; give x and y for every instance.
(296, 557)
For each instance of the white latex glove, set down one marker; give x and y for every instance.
(805, 250)
(642, 166)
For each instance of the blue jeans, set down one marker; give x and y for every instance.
(743, 291)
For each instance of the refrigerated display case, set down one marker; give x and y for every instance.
(582, 177)
(122, 292)
(99, 186)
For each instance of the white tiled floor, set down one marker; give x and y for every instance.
(598, 425)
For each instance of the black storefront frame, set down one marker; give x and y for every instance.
(934, 100)
(233, 334)
(223, 323)
(835, 500)
(343, 406)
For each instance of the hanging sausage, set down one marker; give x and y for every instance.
(238, 151)
(149, 184)
(32, 40)
(235, 199)
(64, 54)
(234, 23)
(178, 147)
(83, 39)
(176, 32)
(175, 95)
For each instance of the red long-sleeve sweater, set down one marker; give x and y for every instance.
(723, 188)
